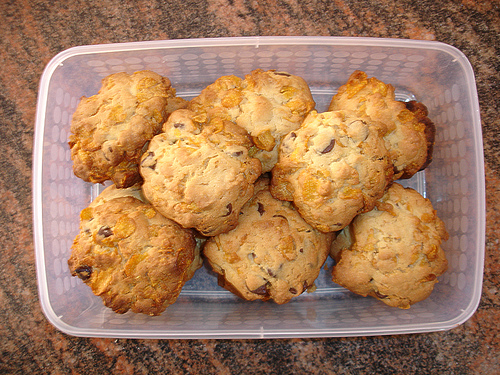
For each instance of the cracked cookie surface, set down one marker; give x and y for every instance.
(407, 138)
(130, 255)
(109, 130)
(199, 173)
(272, 253)
(392, 253)
(333, 167)
(268, 104)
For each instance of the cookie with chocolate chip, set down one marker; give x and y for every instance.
(110, 130)
(333, 167)
(268, 104)
(409, 139)
(200, 173)
(130, 255)
(392, 253)
(273, 254)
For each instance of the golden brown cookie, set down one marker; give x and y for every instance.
(130, 255)
(406, 137)
(268, 104)
(392, 253)
(333, 167)
(272, 253)
(421, 114)
(110, 130)
(198, 173)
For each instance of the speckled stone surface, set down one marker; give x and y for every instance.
(32, 32)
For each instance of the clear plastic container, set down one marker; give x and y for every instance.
(436, 74)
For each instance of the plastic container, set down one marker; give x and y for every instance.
(436, 74)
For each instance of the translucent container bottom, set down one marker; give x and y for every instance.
(433, 73)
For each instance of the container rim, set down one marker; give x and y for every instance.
(256, 41)
(246, 334)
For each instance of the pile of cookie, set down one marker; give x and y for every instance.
(249, 176)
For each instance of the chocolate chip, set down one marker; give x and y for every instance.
(305, 285)
(281, 217)
(229, 210)
(282, 74)
(329, 147)
(179, 125)
(237, 153)
(293, 290)
(105, 232)
(293, 135)
(260, 208)
(301, 250)
(84, 272)
(261, 290)
(270, 272)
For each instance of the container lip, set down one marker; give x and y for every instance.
(256, 41)
(249, 41)
(245, 334)
(36, 187)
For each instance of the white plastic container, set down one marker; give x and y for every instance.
(436, 74)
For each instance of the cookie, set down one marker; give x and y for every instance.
(333, 167)
(421, 114)
(268, 104)
(273, 254)
(392, 253)
(406, 137)
(130, 255)
(110, 130)
(199, 173)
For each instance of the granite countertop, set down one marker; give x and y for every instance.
(34, 31)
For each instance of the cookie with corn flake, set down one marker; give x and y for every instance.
(268, 104)
(333, 167)
(421, 113)
(392, 253)
(110, 130)
(273, 254)
(200, 173)
(130, 255)
(408, 139)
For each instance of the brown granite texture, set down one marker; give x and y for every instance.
(33, 31)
